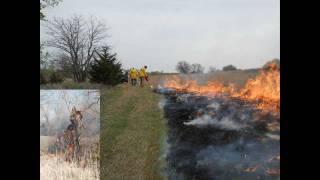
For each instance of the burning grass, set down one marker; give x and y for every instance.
(223, 131)
(263, 90)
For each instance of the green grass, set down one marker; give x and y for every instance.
(132, 130)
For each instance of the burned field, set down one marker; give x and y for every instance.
(219, 138)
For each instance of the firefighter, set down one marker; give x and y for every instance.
(133, 74)
(143, 75)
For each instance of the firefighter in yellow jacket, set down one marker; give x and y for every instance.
(143, 75)
(133, 74)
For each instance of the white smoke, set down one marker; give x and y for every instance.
(55, 108)
(163, 90)
(225, 123)
(214, 105)
(273, 136)
(162, 103)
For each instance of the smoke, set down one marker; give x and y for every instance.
(162, 103)
(224, 115)
(214, 105)
(218, 138)
(55, 109)
(162, 90)
(225, 123)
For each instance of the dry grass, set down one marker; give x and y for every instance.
(54, 167)
(237, 77)
(46, 142)
(133, 128)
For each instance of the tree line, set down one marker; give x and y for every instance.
(186, 68)
(81, 52)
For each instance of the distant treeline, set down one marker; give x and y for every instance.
(185, 67)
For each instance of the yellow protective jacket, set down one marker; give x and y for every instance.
(133, 74)
(143, 73)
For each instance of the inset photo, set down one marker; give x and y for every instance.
(69, 134)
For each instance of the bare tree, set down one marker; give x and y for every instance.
(77, 38)
(44, 56)
(62, 63)
(183, 67)
(45, 4)
(196, 68)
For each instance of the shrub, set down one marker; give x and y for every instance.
(43, 78)
(105, 68)
(156, 72)
(229, 68)
(272, 64)
(56, 78)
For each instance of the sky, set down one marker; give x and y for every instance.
(159, 33)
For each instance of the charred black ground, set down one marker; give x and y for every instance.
(219, 139)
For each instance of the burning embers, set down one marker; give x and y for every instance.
(263, 91)
(213, 135)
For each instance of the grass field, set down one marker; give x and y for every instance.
(132, 133)
(53, 165)
(133, 128)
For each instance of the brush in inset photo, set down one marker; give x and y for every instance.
(69, 134)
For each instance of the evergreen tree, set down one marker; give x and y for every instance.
(105, 68)
(229, 68)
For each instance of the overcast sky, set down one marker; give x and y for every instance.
(159, 33)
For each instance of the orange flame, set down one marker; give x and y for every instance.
(264, 90)
(191, 86)
(252, 169)
(273, 172)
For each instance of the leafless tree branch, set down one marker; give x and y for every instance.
(78, 38)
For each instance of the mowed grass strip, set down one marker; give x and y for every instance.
(132, 127)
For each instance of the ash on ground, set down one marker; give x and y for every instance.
(219, 138)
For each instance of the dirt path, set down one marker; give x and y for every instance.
(132, 128)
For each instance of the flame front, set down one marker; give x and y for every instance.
(212, 88)
(264, 90)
